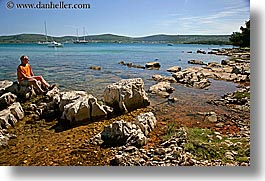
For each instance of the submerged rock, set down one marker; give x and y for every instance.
(174, 69)
(94, 67)
(130, 64)
(160, 78)
(199, 62)
(163, 89)
(152, 65)
(192, 77)
(201, 51)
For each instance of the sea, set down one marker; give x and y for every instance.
(69, 66)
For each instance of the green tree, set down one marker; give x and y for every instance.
(241, 39)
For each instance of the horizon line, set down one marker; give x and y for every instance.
(61, 36)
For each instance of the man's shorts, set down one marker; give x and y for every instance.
(24, 82)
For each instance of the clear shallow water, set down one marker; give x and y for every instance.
(69, 66)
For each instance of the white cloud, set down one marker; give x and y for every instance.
(223, 21)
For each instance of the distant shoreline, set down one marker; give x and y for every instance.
(110, 38)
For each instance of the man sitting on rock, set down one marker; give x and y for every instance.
(26, 77)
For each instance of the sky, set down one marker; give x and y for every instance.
(134, 18)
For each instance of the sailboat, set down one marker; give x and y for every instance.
(77, 41)
(46, 37)
(48, 43)
(54, 44)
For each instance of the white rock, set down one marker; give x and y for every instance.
(146, 122)
(17, 110)
(126, 95)
(7, 99)
(7, 119)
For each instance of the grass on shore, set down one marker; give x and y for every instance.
(206, 144)
(241, 95)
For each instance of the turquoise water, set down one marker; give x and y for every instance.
(69, 66)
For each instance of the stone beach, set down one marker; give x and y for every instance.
(75, 128)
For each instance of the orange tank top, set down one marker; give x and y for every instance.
(23, 71)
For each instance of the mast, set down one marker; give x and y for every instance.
(45, 31)
(77, 35)
(84, 34)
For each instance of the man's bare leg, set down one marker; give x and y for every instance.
(42, 80)
(34, 82)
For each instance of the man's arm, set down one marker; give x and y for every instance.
(31, 72)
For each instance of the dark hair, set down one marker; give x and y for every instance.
(22, 57)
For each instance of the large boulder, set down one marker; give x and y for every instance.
(7, 119)
(126, 95)
(6, 100)
(17, 110)
(20, 90)
(76, 111)
(126, 133)
(70, 97)
(4, 137)
(146, 122)
(123, 133)
(4, 85)
(10, 115)
(97, 110)
(79, 106)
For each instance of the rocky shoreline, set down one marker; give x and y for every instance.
(228, 130)
(69, 128)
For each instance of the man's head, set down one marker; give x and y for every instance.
(24, 59)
